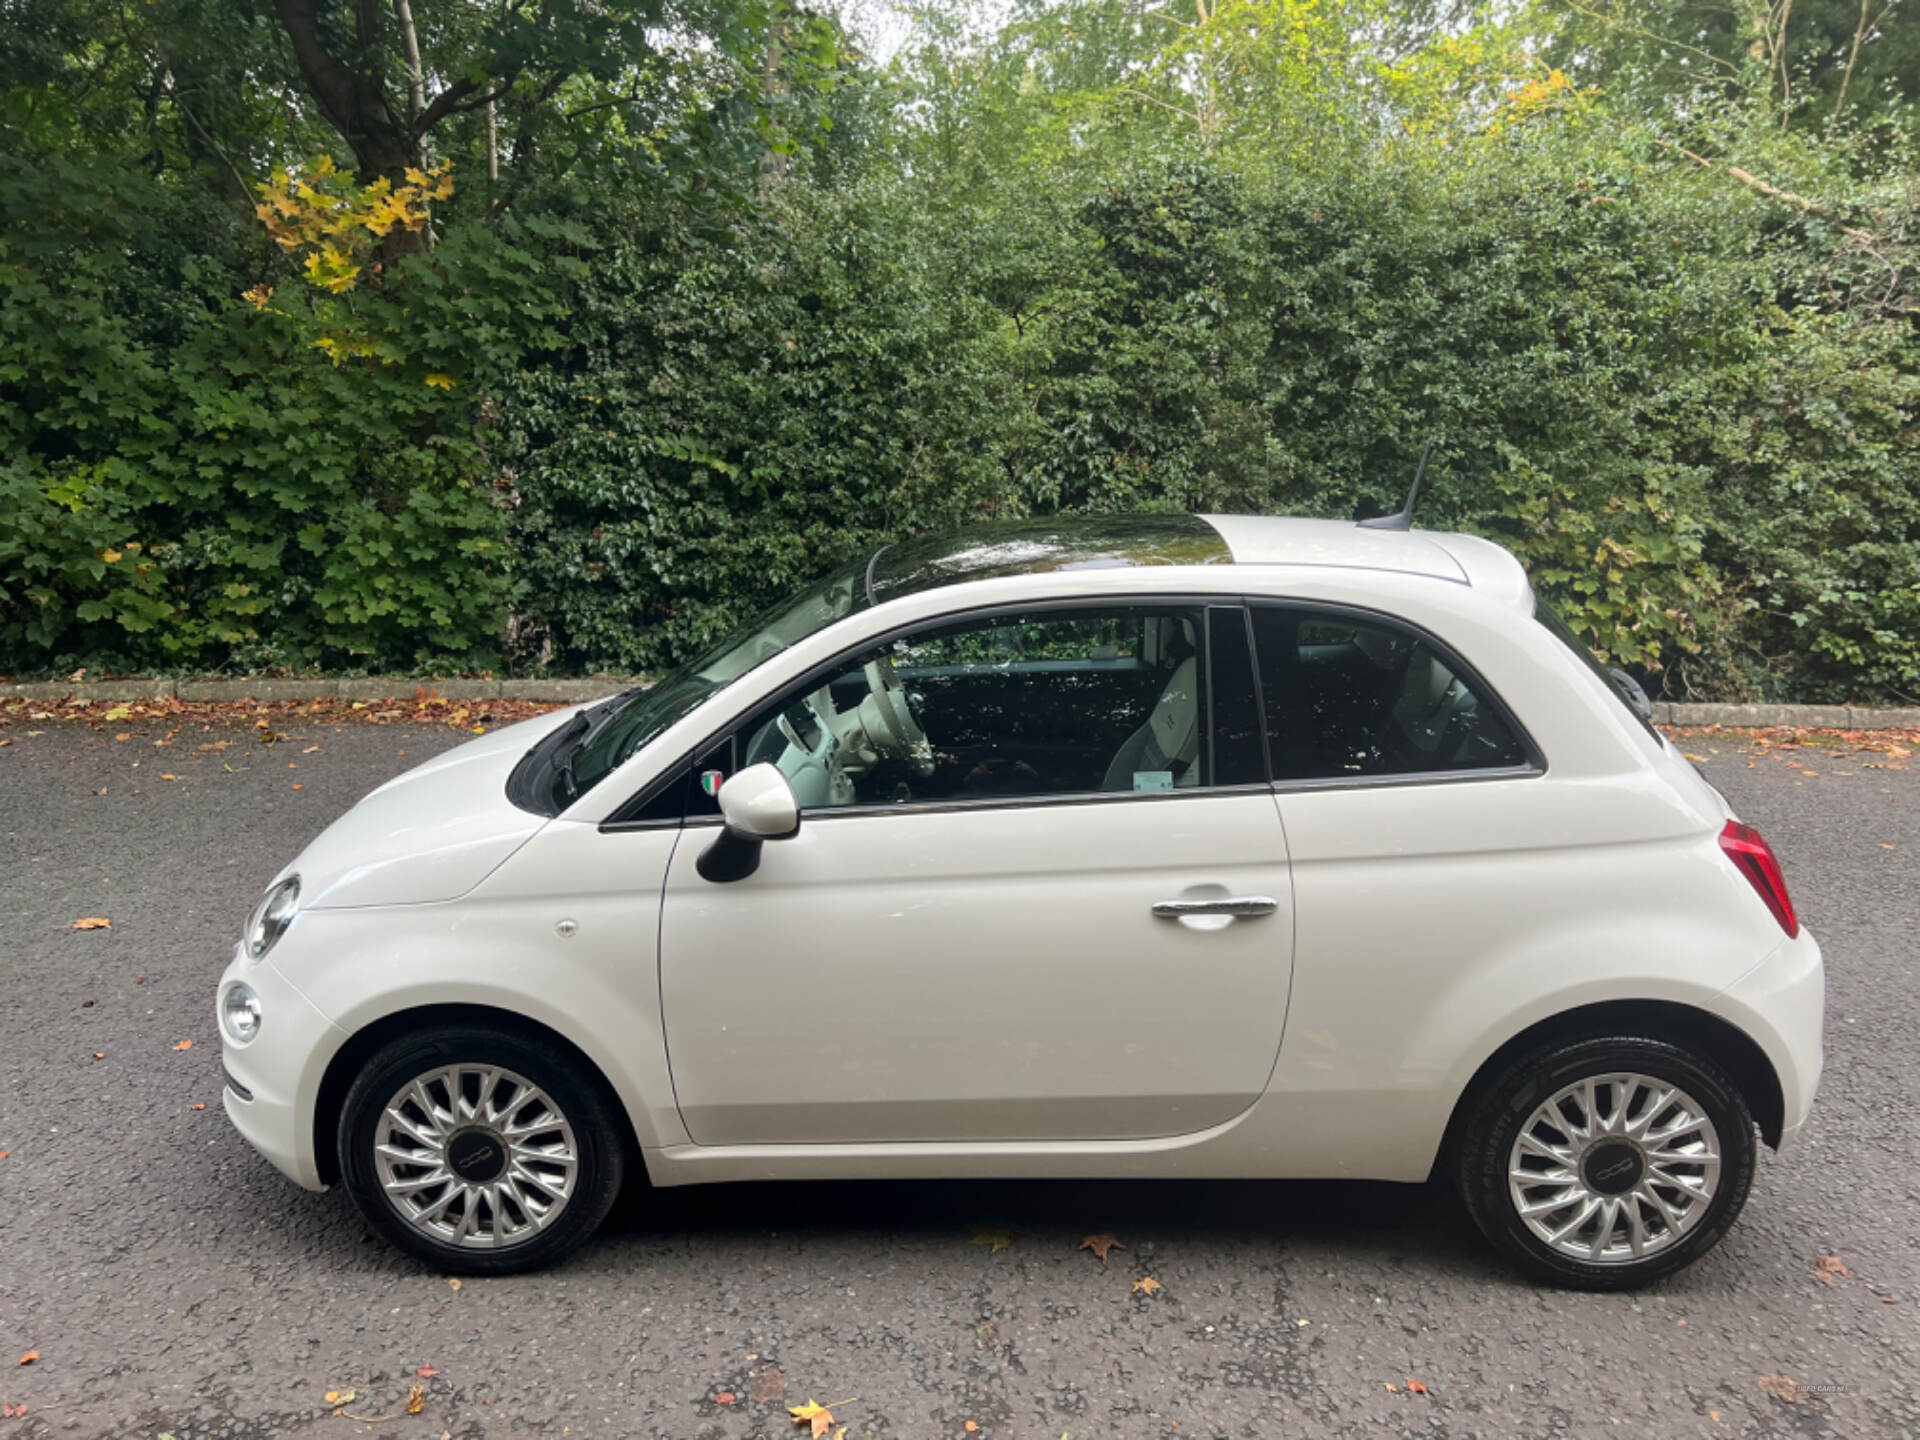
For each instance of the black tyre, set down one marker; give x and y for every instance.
(481, 1151)
(1605, 1164)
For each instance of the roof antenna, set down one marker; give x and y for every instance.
(1403, 518)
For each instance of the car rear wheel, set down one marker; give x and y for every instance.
(1607, 1163)
(480, 1151)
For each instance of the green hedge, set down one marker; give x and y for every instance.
(1687, 405)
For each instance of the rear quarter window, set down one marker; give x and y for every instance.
(1352, 696)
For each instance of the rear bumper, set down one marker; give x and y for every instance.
(1782, 1003)
(272, 1083)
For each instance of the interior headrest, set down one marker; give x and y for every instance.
(1176, 714)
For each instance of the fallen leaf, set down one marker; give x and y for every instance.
(1391, 1386)
(299, 787)
(12, 1412)
(416, 1399)
(725, 1397)
(5, 1153)
(1414, 1387)
(196, 1107)
(29, 1357)
(1714, 1415)
(99, 1054)
(1885, 846)
(341, 1397)
(1100, 1245)
(453, 1284)
(1146, 1285)
(817, 1416)
(767, 1386)
(1830, 1266)
(184, 1045)
(971, 1428)
(426, 1372)
(1697, 759)
(93, 922)
(994, 1240)
(1781, 1387)
(310, 749)
(165, 776)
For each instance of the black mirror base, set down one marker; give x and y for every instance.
(732, 856)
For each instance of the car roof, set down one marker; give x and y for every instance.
(1100, 542)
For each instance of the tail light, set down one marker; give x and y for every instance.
(1754, 858)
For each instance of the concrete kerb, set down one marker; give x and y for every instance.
(375, 688)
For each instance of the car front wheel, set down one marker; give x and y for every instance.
(480, 1151)
(1606, 1163)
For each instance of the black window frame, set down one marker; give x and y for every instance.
(1533, 767)
(628, 816)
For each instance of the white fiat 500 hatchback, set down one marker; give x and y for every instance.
(1136, 846)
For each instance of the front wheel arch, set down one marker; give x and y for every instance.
(349, 1059)
(1728, 1046)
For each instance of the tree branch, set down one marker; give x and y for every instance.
(240, 185)
(1853, 58)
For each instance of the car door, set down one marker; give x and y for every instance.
(964, 944)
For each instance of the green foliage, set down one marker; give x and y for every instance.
(214, 486)
(742, 309)
(734, 419)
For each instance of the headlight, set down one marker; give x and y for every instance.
(271, 916)
(240, 1013)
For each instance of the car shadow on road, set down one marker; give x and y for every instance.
(1378, 1219)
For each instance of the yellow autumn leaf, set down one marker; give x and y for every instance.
(1146, 1285)
(441, 382)
(110, 556)
(259, 295)
(812, 1414)
(341, 1397)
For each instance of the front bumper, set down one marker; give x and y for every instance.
(1782, 1003)
(279, 1070)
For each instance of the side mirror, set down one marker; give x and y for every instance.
(756, 805)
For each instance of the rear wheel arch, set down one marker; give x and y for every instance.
(1685, 1026)
(351, 1057)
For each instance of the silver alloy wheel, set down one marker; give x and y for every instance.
(1614, 1168)
(475, 1156)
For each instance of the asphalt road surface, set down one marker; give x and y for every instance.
(174, 1285)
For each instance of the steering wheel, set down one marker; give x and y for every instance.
(889, 718)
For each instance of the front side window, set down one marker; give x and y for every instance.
(1026, 705)
(1350, 697)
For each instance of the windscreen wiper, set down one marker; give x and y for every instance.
(571, 740)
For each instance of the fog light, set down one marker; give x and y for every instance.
(240, 1013)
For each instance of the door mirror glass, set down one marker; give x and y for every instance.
(757, 805)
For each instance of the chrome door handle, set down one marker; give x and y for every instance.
(1231, 905)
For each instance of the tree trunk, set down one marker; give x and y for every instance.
(416, 76)
(352, 100)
